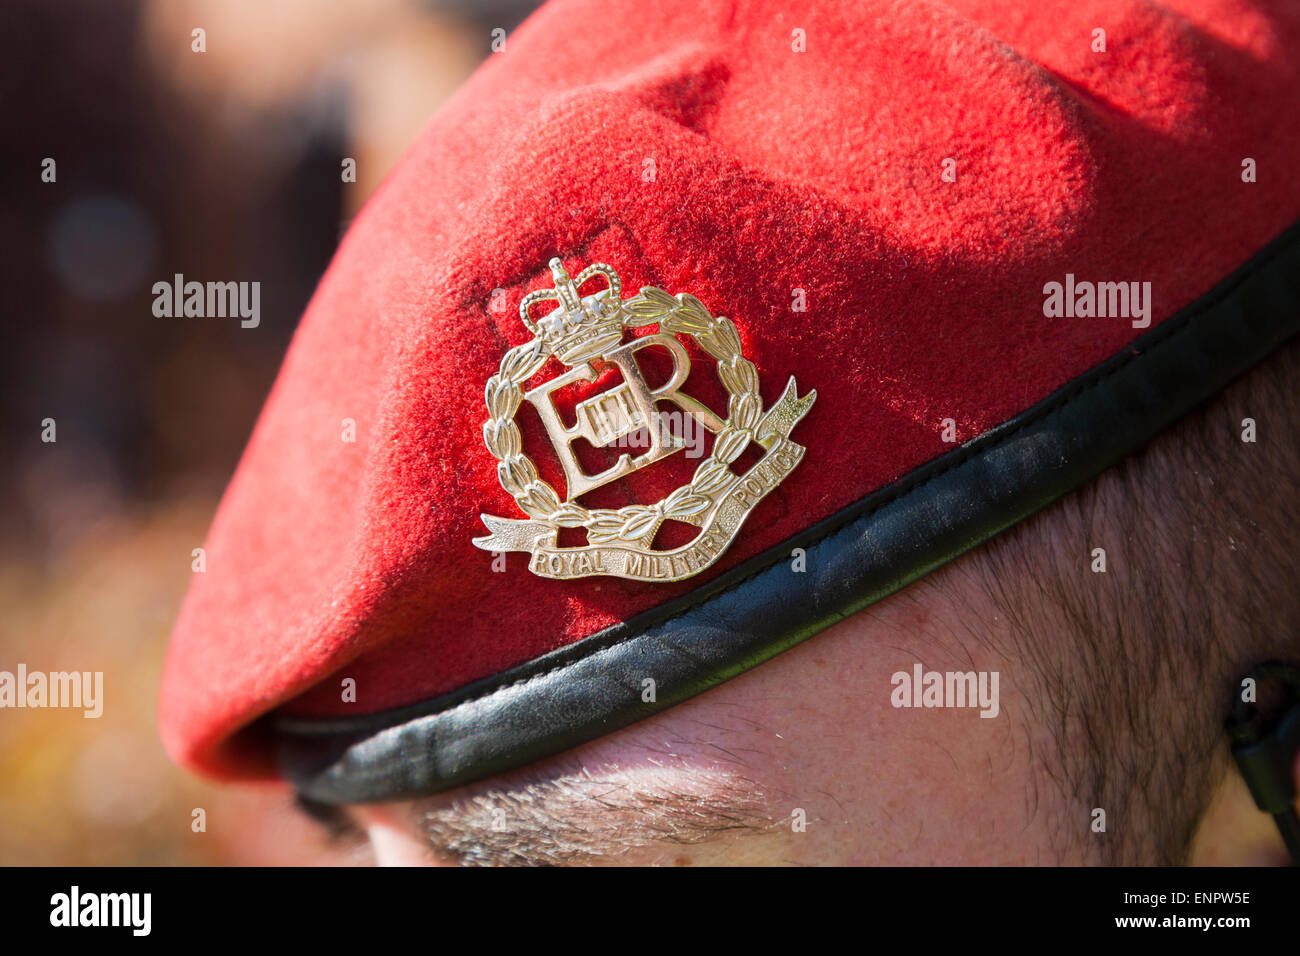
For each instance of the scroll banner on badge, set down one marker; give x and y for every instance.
(732, 505)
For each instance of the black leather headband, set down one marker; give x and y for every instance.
(854, 558)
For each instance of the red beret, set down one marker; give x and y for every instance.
(1004, 242)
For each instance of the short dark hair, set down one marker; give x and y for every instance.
(1136, 666)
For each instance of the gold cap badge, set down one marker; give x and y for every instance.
(584, 332)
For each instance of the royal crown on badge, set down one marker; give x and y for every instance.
(582, 327)
(586, 333)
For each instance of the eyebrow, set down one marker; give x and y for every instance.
(584, 818)
(341, 831)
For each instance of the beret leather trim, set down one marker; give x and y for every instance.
(858, 556)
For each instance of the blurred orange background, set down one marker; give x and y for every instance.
(221, 165)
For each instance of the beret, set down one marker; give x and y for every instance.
(918, 268)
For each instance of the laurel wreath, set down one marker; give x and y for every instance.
(678, 314)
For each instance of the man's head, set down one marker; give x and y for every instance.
(921, 270)
(1112, 689)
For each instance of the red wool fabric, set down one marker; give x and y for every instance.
(774, 171)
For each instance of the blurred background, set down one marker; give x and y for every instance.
(221, 165)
